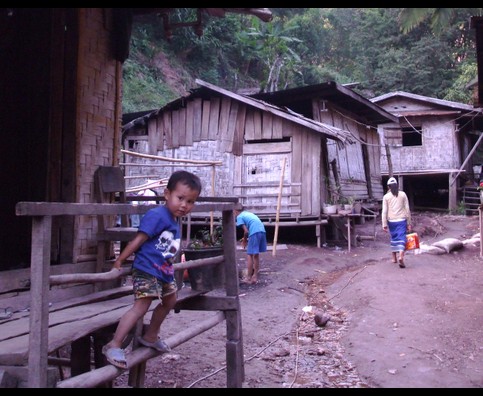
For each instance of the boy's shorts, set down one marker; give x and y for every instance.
(257, 243)
(148, 286)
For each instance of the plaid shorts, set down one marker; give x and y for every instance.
(148, 286)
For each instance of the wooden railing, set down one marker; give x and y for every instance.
(228, 307)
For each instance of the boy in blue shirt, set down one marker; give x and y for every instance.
(155, 245)
(254, 239)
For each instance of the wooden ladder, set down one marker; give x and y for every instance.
(471, 200)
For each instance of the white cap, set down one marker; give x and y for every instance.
(391, 180)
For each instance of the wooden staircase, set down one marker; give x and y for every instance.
(471, 200)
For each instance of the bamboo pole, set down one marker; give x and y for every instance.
(279, 201)
(158, 157)
(212, 194)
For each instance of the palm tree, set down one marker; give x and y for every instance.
(440, 18)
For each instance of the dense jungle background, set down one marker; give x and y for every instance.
(425, 51)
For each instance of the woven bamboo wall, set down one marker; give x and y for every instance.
(99, 115)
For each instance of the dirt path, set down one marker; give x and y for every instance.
(389, 327)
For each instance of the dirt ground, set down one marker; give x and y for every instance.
(387, 327)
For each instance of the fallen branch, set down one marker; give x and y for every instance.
(246, 360)
(347, 284)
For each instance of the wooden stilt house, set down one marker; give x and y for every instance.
(328, 153)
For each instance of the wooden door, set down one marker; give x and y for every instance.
(260, 174)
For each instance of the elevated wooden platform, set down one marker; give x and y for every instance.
(29, 339)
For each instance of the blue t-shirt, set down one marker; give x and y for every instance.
(253, 223)
(156, 253)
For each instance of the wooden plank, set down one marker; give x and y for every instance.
(296, 167)
(159, 133)
(205, 123)
(277, 132)
(39, 307)
(87, 319)
(224, 120)
(315, 153)
(19, 327)
(257, 123)
(20, 278)
(153, 136)
(288, 129)
(267, 125)
(272, 148)
(189, 121)
(237, 148)
(214, 118)
(89, 209)
(197, 119)
(234, 351)
(249, 124)
(168, 130)
(184, 136)
(175, 127)
(230, 269)
(266, 195)
(117, 297)
(306, 204)
(302, 223)
(229, 136)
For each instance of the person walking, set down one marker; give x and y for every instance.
(155, 246)
(254, 240)
(396, 218)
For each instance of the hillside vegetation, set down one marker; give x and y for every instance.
(301, 46)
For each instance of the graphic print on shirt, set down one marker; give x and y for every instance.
(168, 245)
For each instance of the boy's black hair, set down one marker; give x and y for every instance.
(239, 207)
(184, 177)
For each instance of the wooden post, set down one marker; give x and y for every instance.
(212, 194)
(279, 201)
(39, 301)
(481, 227)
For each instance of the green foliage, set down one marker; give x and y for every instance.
(459, 91)
(142, 89)
(461, 209)
(304, 46)
(203, 238)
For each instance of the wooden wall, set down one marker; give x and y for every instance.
(99, 115)
(252, 145)
(357, 164)
(432, 154)
(62, 117)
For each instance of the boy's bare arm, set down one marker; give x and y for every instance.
(131, 247)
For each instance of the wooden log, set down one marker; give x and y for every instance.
(99, 376)
(89, 277)
(198, 263)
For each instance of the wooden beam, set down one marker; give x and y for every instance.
(101, 375)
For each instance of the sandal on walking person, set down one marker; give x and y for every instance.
(401, 261)
(159, 345)
(115, 356)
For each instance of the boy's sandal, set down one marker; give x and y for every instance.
(159, 345)
(115, 356)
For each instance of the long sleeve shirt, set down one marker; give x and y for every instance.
(395, 208)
